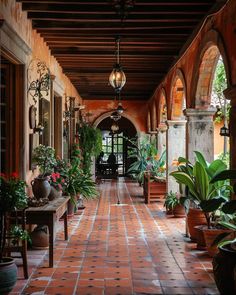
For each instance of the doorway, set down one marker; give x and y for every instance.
(117, 142)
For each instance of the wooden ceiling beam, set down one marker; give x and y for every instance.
(157, 17)
(105, 7)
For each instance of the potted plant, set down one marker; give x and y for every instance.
(44, 157)
(224, 263)
(206, 195)
(173, 204)
(12, 197)
(56, 182)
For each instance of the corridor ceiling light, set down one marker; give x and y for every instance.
(115, 116)
(117, 77)
(120, 108)
(114, 127)
(123, 7)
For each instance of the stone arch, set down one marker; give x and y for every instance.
(153, 116)
(178, 95)
(149, 121)
(211, 48)
(107, 114)
(162, 107)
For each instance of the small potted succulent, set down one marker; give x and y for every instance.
(12, 197)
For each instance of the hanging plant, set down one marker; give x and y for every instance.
(90, 141)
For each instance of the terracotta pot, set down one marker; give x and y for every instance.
(169, 211)
(195, 217)
(41, 187)
(40, 237)
(54, 193)
(224, 269)
(201, 243)
(210, 235)
(179, 211)
(70, 208)
(8, 275)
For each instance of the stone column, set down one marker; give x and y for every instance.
(161, 138)
(230, 93)
(200, 133)
(176, 147)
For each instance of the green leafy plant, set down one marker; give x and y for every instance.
(228, 208)
(12, 197)
(146, 159)
(90, 142)
(171, 200)
(197, 178)
(44, 157)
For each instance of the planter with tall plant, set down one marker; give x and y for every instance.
(209, 197)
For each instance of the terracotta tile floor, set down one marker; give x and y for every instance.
(130, 248)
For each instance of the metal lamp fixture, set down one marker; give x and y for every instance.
(123, 7)
(114, 127)
(224, 131)
(115, 116)
(117, 77)
(120, 108)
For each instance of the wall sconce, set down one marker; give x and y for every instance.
(39, 129)
(38, 79)
(224, 131)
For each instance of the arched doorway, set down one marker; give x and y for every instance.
(116, 143)
(162, 117)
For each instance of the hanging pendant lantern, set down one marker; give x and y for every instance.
(117, 78)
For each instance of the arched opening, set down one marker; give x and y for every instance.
(212, 82)
(154, 116)
(161, 138)
(178, 97)
(115, 143)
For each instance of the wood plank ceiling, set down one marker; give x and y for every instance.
(81, 35)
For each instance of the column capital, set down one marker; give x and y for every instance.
(162, 127)
(210, 112)
(230, 93)
(175, 123)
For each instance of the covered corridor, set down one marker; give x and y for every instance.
(131, 248)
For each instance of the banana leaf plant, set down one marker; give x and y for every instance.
(197, 178)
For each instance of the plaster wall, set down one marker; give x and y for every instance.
(134, 110)
(16, 19)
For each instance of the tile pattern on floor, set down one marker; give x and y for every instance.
(131, 248)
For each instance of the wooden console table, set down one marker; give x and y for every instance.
(48, 215)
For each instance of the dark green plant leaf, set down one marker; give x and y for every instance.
(229, 207)
(212, 204)
(219, 238)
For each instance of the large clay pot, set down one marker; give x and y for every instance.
(224, 269)
(41, 187)
(179, 211)
(201, 243)
(54, 193)
(40, 237)
(195, 217)
(8, 275)
(70, 208)
(210, 235)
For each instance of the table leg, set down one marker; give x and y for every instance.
(65, 226)
(51, 242)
